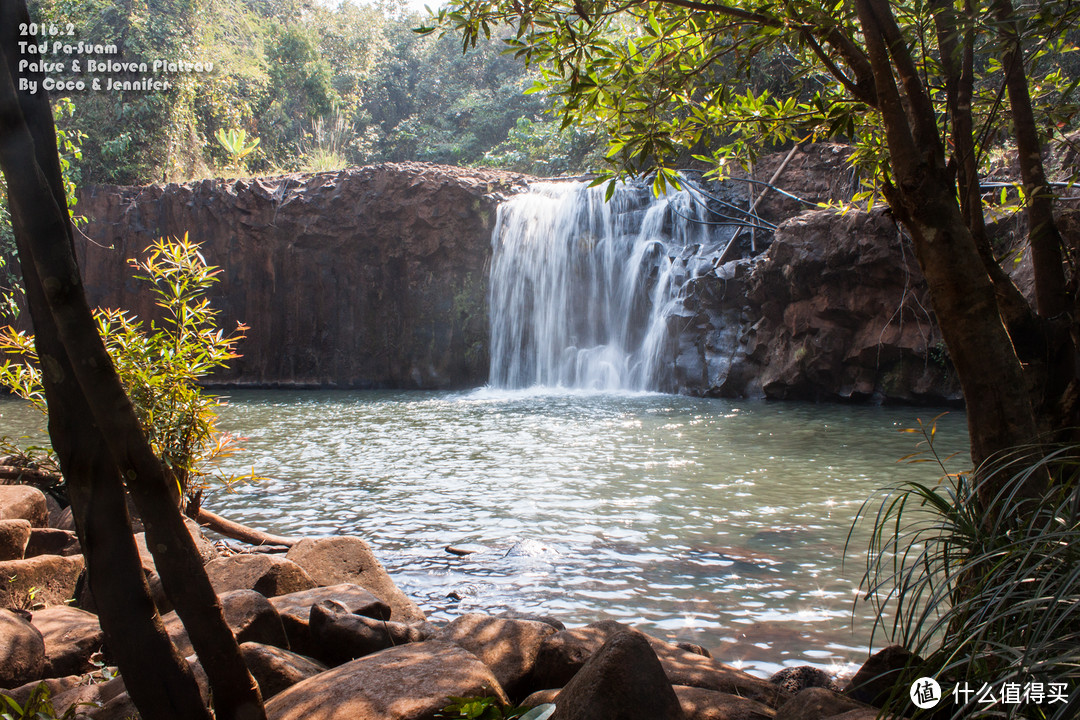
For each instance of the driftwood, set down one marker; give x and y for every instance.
(15, 475)
(236, 531)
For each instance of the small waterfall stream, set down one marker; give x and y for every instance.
(582, 290)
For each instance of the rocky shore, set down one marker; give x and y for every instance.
(327, 634)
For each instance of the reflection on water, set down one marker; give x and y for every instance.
(718, 522)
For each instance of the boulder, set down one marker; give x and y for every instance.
(268, 575)
(874, 681)
(335, 560)
(818, 702)
(701, 704)
(52, 541)
(14, 535)
(39, 581)
(25, 502)
(207, 551)
(340, 636)
(295, 610)
(22, 650)
(71, 637)
(276, 669)
(541, 697)
(561, 655)
(249, 615)
(56, 686)
(795, 679)
(410, 682)
(623, 680)
(506, 645)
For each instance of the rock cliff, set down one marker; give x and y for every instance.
(374, 277)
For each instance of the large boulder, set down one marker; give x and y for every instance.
(249, 615)
(268, 575)
(14, 535)
(22, 650)
(334, 560)
(25, 502)
(623, 680)
(508, 646)
(295, 610)
(340, 636)
(39, 581)
(878, 677)
(276, 669)
(561, 656)
(71, 637)
(410, 682)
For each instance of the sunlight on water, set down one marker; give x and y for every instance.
(718, 522)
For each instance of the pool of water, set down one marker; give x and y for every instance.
(714, 521)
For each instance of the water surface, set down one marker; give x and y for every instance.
(717, 522)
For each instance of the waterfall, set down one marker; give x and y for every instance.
(582, 290)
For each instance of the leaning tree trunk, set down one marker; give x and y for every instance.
(74, 350)
(923, 196)
(158, 679)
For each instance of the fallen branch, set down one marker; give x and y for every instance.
(236, 531)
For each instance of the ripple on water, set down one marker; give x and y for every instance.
(713, 521)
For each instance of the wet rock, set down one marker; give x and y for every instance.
(410, 682)
(71, 637)
(340, 636)
(506, 645)
(623, 680)
(23, 502)
(276, 669)
(335, 560)
(248, 614)
(268, 575)
(701, 704)
(295, 610)
(818, 702)
(39, 581)
(14, 535)
(22, 650)
(693, 648)
(794, 679)
(52, 541)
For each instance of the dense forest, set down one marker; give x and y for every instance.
(319, 85)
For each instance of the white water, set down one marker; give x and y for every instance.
(582, 290)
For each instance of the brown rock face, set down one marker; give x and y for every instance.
(836, 309)
(267, 575)
(374, 277)
(39, 581)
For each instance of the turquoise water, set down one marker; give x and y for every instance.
(713, 521)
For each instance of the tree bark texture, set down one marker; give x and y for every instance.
(923, 196)
(79, 358)
(158, 680)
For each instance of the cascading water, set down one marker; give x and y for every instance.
(582, 289)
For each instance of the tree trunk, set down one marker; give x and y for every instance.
(923, 196)
(43, 228)
(157, 678)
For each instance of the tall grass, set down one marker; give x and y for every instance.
(985, 598)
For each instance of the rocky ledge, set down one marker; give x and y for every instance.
(327, 635)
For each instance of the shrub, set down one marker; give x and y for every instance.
(159, 362)
(986, 599)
